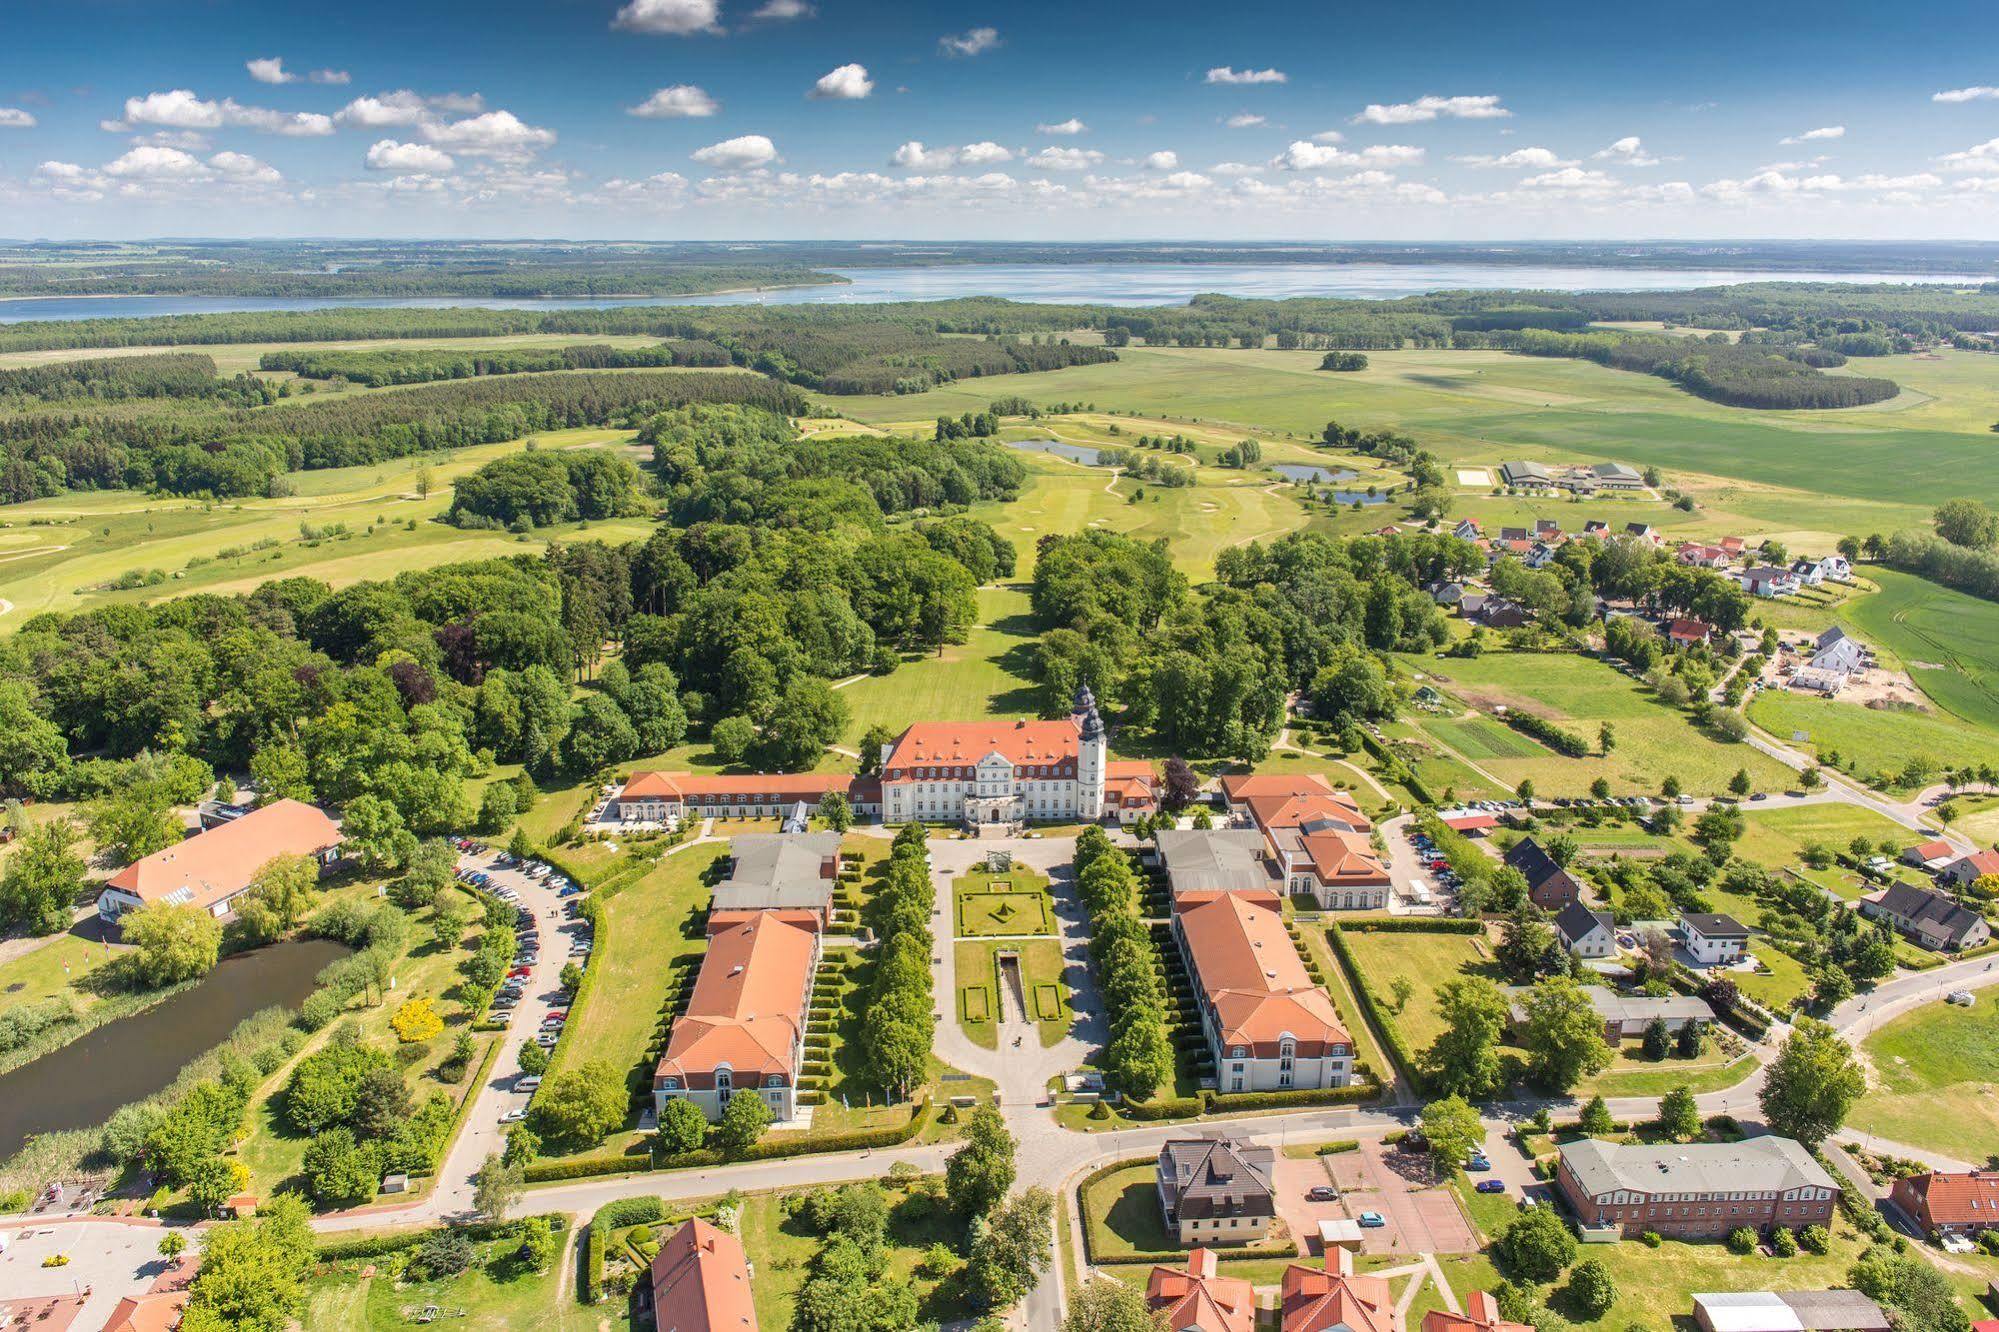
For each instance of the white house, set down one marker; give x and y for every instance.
(1586, 933)
(1764, 581)
(1835, 651)
(1714, 940)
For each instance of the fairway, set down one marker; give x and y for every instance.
(1652, 741)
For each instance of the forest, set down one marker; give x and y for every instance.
(422, 365)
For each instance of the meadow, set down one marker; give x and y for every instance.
(1932, 1080)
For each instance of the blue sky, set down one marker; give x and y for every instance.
(663, 119)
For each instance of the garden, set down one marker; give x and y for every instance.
(1003, 903)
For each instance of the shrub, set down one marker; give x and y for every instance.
(1742, 1240)
(1784, 1243)
(1651, 1239)
(1817, 1239)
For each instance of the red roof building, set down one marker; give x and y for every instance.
(1689, 632)
(744, 1028)
(1270, 1027)
(701, 1282)
(664, 797)
(1198, 1299)
(1481, 1315)
(1944, 1204)
(212, 869)
(1333, 1299)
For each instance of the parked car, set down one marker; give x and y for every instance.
(1491, 1186)
(528, 1083)
(547, 1039)
(1371, 1220)
(1322, 1193)
(1962, 998)
(1478, 1162)
(513, 1116)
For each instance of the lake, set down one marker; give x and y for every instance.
(1059, 284)
(1319, 475)
(1077, 453)
(82, 1083)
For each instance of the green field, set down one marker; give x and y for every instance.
(1041, 966)
(1947, 641)
(1579, 693)
(1869, 741)
(361, 1295)
(985, 676)
(1933, 1080)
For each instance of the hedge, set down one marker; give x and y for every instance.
(1465, 859)
(1414, 925)
(1219, 1102)
(1375, 1012)
(1396, 770)
(1168, 1107)
(616, 1216)
(1566, 743)
(380, 1246)
(544, 1172)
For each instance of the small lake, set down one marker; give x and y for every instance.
(1360, 497)
(1077, 453)
(82, 1083)
(1316, 475)
(1131, 284)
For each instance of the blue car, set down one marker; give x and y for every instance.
(1492, 1186)
(1371, 1220)
(571, 891)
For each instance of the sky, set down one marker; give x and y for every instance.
(860, 119)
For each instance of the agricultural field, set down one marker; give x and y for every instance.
(1870, 742)
(1946, 640)
(1934, 1080)
(1579, 694)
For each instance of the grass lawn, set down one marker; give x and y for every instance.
(985, 676)
(493, 1293)
(1777, 837)
(1579, 694)
(641, 931)
(1429, 961)
(1121, 1212)
(1041, 968)
(1933, 1084)
(60, 967)
(1010, 902)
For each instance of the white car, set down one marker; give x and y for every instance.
(1962, 998)
(513, 1116)
(528, 1083)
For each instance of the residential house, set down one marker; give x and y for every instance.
(1472, 604)
(1548, 529)
(1481, 1315)
(1809, 573)
(662, 799)
(791, 874)
(1335, 1298)
(701, 1282)
(1789, 1311)
(1498, 613)
(1466, 530)
(1812, 680)
(1712, 938)
(1208, 860)
(1514, 535)
(1526, 475)
(1702, 556)
(1694, 1190)
(1967, 870)
(212, 869)
(1764, 581)
(1931, 856)
(1950, 1203)
(1549, 885)
(1216, 1189)
(744, 1028)
(1644, 532)
(1446, 594)
(1831, 568)
(1688, 633)
(1834, 650)
(1198, 1299)
(1596, 527)
(1269, 1026)
(1540, 555)
(1625, 1016)
(1588, 934)
(1930, 918)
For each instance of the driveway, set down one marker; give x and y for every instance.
(1292, 1179)
(1422, 1217)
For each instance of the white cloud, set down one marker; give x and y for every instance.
(976, 41)
(738, 154)
(1430, 107)
(1627, 151)
(1235, 169)
(913, 156)
(403, 108)
(1982, 159)
(1163, 160)
(983, 153)
(388, 155)
(1540, 159)
(779, 11)
(682, 99)
(1065, 159)
(1570, 178)
(149, 163)
(188, 139)
(1329, 136)
(270, 69)
(848, 83)
(669, 18)
(1813, 136)
(499, 134)
(1069, 126)
(13, 117)
(1981, 93)
(1224, 74)
(1244, 120)
(181, 109)
(339, 78)
(1304, 155)
(242, 168)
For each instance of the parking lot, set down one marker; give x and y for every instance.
(1418, 1217)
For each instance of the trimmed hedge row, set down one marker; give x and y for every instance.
(1415, 925)
(1566, 743)
(1396, 770)
(1465, 859)
(545, 1172)
(1215, 1103)
(1376, 1013)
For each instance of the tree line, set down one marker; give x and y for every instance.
(421, 365)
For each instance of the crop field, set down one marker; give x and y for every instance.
(1579, 694)
(1483, 738)
(1946, 640)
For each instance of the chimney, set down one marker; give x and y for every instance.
(1339, 1260)
(1201, 1264)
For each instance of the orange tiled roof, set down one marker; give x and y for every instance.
(1251, 971)
(746, 1010)
(1316, 1300)
(1197, 1299)
(968, 742)
(1343, 857)
(1242, 786)
(701, 1282)
(157, 1312)
(1958, 1199)
(1481, 1315)
(220, 863)
(782, 785)
(1292, 811)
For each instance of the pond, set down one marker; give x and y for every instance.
(82, 1083)
(1355, 497)
(1078, 453)
(1306, 472)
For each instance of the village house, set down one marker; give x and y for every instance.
(1929, 918)
(1217, 1189)
(1481, 1314)
(1964, 871)
(1268, 1025)
(1197, 1298)
(790, 875)
(1688, 633)
(1466, 530)
(155, 1311)
(1833, 650)
(1713, 939)
(744, 1028)
(701, 1282)
(1590, 935)
(1941, 1203)
(1549, 886)
(1931, 856)
(1540, 555)
(663, 799)
(1446, 594)
(1764, 581)
(1498, 613)
(1832, 568)
(1734, 545)
(1335, 1298)
(1694, 1190)
(1625, 1016)
(1700, 556)
(212, 869)
(1643, 532)
(1596, 527)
